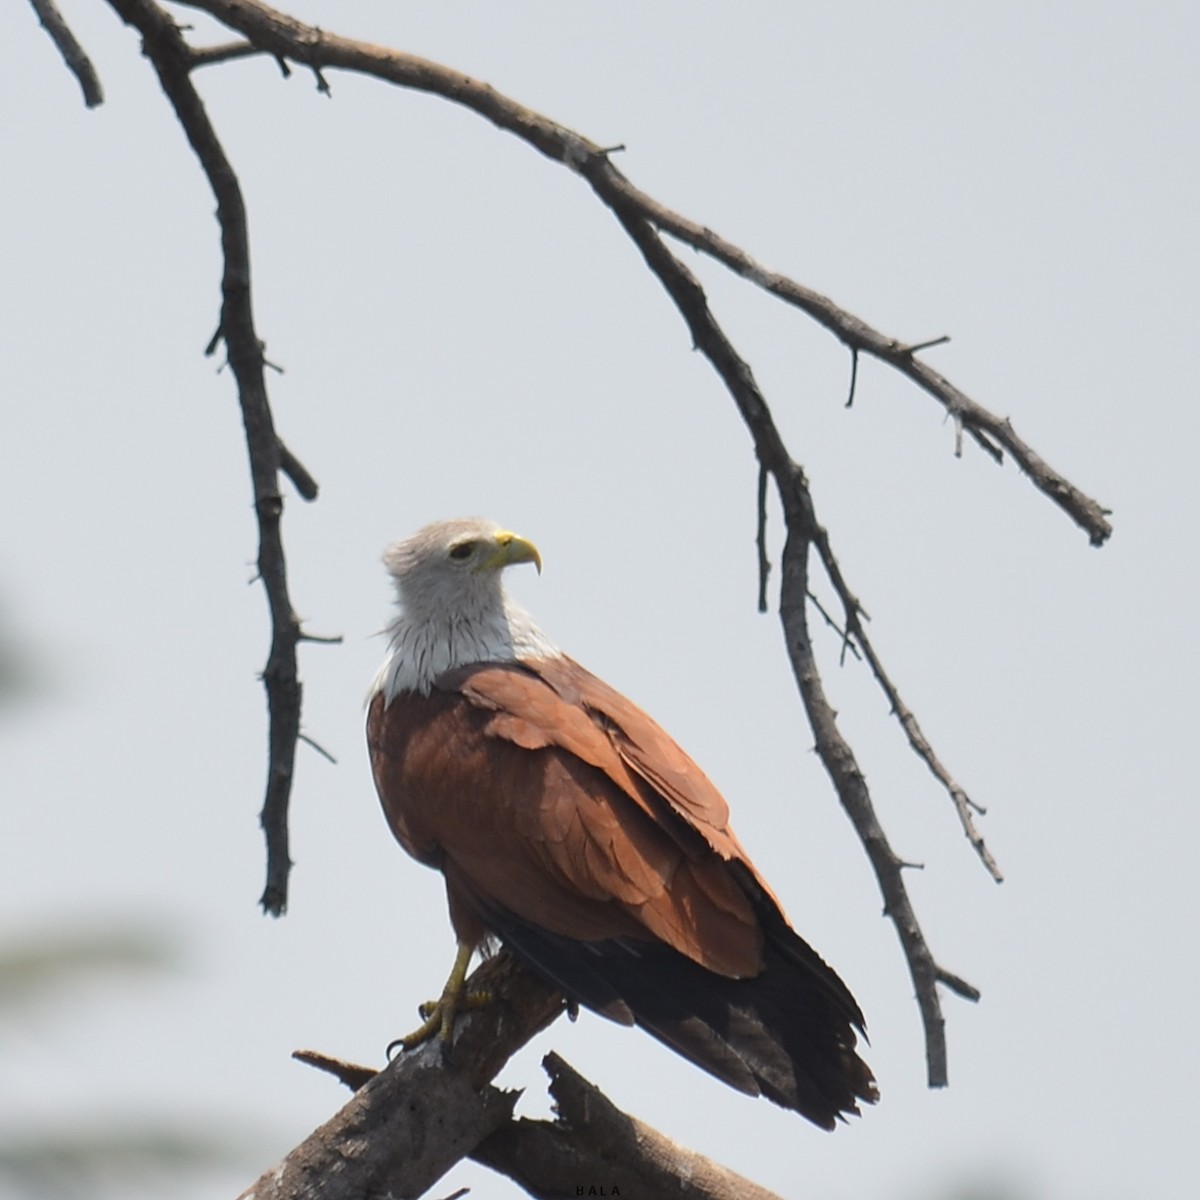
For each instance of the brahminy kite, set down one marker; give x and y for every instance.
(570, 827)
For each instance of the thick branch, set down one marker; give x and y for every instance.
(593, 1144)
(398, 1136)
(72, 52)
(286, 37)
(172, 59)
(411, 1122)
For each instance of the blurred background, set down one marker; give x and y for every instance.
(463, 330)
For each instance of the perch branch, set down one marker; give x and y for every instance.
(591, 1143)
(72, 52)
(172, 59)
(409, 1123)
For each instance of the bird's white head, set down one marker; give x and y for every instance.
(453, 566)
(453, 606)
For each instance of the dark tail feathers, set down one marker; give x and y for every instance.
(787, 1034)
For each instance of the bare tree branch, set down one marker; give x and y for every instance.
(398, 1136)
(593, 1145)
(172, 59)
(803, 527)
(856, 633)
(73, 53)
(286, 37)
(590, 1144)
(860, 336)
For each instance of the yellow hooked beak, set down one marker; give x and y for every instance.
(511, 549)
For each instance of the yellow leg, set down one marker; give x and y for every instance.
(439, 1015)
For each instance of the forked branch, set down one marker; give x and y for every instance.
(411, 1122)
(431, 1109)
(592, 1139)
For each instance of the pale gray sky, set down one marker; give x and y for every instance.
(464, 330)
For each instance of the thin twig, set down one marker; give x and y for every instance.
(322, 83)
(917, 347)
(210, 56)
(308, 741)
(989, 447)
(957, 985)
(353, 1075)
(72, 52)
(298, 473)
(846, 640)
(760, 539)
(920, 744)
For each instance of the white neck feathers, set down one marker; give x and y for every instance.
(421, 650)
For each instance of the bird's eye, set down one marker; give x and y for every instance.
(462, 551)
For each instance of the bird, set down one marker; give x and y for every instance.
(573, 830)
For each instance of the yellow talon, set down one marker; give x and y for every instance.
(438, 1016)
